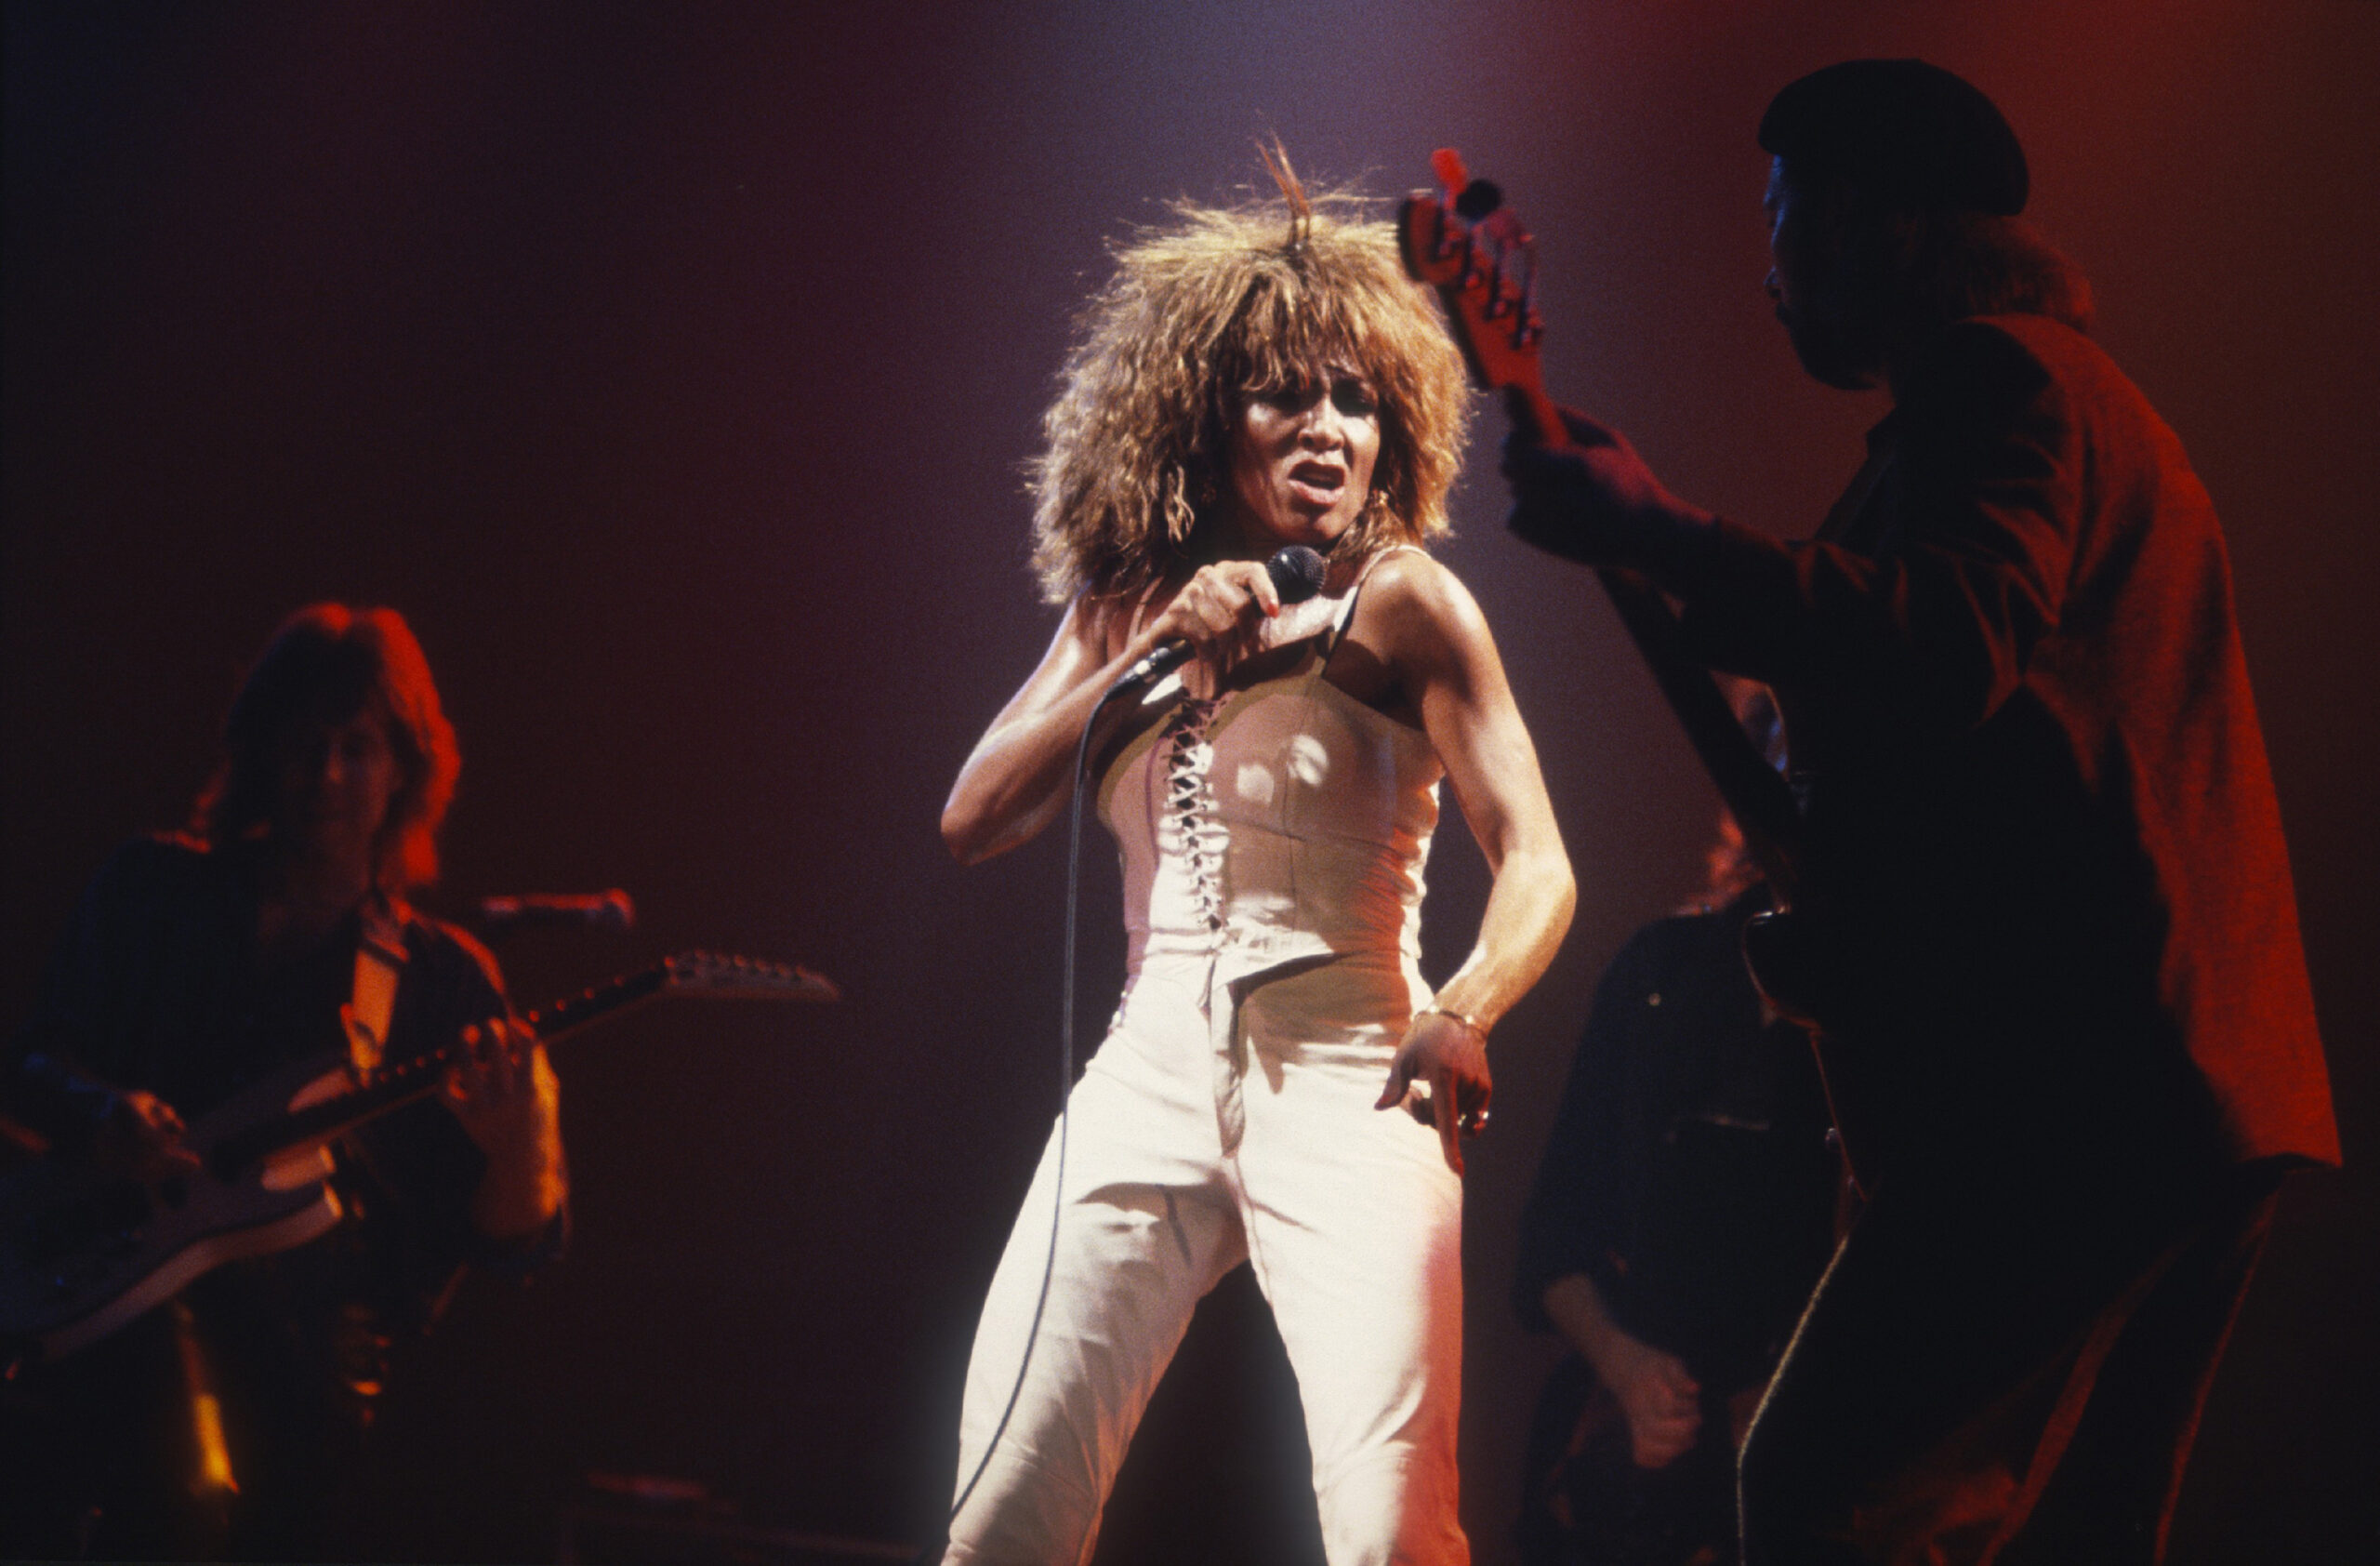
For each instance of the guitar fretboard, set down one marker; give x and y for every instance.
(393, 1087)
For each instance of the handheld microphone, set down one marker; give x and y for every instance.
(1297, 576)
(594, 910)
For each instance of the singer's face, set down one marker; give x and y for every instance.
(1302, 460)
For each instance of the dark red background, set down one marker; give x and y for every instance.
(671, 367)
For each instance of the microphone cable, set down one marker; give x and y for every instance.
(933, 1550)
(1297, 574)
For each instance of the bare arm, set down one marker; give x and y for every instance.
(1021, 772)
(1935, 631)
(1438, 642)
(1467, 709)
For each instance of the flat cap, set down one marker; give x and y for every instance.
(1902, 131)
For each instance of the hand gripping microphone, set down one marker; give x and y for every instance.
(1297, 576)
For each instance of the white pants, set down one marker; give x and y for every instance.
(1203, 1134)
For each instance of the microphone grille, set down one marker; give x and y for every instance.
(1296, 572)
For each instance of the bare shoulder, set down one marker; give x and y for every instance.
(1419, 611)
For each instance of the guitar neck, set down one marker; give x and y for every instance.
(1761, 801)
(1483, 263)
(407, 1082)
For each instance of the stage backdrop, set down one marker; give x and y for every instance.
(671, 366)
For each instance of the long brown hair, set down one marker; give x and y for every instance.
(329, 660)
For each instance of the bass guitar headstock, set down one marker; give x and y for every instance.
(1463, 241)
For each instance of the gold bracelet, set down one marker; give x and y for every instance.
(1464, 1017)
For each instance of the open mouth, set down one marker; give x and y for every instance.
(1322, 481)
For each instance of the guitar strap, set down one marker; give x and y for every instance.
(380, 964)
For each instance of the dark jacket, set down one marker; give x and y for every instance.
(1687, 1171)
(2042, 831)
(155, 986)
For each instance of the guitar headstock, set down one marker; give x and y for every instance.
(722, 975)
(1463, 241)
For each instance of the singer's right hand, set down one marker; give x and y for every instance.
(1021, 771)
(1220, 612)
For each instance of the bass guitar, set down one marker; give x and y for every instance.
(81, 1255)
(1463, 240)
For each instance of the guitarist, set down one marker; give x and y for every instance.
(1683, 1209)
(274, 931)
(2045, 909)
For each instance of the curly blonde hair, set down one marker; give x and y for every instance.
(1220, 305)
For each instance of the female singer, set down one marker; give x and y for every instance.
(1253, 377)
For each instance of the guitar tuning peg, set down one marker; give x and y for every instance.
(1479, 199)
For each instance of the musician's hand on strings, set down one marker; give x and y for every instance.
(1440, 1075)
(492, 1086)
(504, 1091)
(1597, 503)
(140, 1138)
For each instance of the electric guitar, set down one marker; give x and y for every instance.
(81, 1255)
(1463, 240)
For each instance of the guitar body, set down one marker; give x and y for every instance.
(81, 1257)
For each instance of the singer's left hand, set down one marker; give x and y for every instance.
(1450, 1058)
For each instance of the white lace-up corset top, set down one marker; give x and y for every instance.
(1280, 822)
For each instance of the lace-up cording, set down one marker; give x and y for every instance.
(1190, 800)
